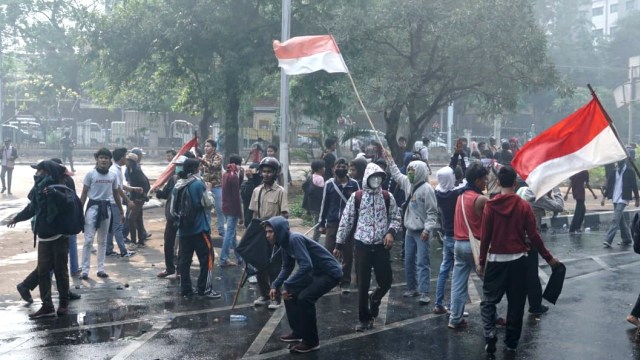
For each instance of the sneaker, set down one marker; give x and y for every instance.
(633, 320)
(227, 264)
(374, 306)
(128, 254)
(490, 346)
(3, 190)
(624, 243)
(261, 301)
(289, 338)
(62, 310)
(274, 305)
(459, 325)
(439, 310)
(501, 322)
(74, 296)
(84, 277)
(44, 311)
(102, 274)
(345, 288)
(163, 274)
(253, 279)
(543, 309)
(141, 245)
(133, 246)
(424, 299)
(111, 253)
(606, 244)
(510, 349)
(211, 294)
(410, 293)
(364, 325)
(24, 292)
(303, 347)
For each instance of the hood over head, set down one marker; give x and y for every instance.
(446, 179)
(280, 227)
(369, 171)
(421, 170)
(504, 204)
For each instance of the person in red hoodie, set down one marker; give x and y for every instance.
(231, 208)
(506, 221)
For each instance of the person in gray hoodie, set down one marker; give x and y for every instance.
(420, 217)
(318, 272)
(376, 220)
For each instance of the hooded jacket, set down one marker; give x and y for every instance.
(422, 211)
(373, 220)
(447, 197)
(312, 258)
(505, 221)
(332, 204)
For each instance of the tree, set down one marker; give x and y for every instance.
(205, 49)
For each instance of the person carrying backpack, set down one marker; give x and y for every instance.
(191, 208)
(374, 218)
(313, 188)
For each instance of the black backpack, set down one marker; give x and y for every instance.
(635, 233)
(70, 218)
(182, 208)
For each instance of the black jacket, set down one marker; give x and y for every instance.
(138, 179)
(629, 184)
(166, 194)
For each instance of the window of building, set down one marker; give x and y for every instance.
(597, 11)
(613, 8)
(264, 124)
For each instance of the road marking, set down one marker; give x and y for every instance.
(601, 262)
(265, 334)
(382, 314)
(544, 278)
(139, 342)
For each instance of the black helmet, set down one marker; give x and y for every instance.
(271, 162)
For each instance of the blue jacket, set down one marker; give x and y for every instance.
(332, 204)
(199, 200)
(312, 258)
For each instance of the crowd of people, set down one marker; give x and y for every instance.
(362, 207)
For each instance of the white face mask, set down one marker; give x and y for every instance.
(374, 182)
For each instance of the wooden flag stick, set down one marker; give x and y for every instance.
(615, 131)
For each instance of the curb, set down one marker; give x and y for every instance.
(593, 220)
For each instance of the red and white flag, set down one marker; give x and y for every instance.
(168, 171)
(582, 141)
(307, 54)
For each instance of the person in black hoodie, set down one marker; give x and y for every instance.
(246, 190)
(137, 179)
(318, 272)
(313, 189)
(621, 184)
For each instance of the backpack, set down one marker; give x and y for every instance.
(70, 218)
(635, 233)
(182, 208)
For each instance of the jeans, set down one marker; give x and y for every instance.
(217, 204)
(445, 268)
(68, 156)
(578, 216)
(619, 222)
(301, 310)
(201, 244)
(315, 215)
(53, 255)
(462, 267)
(116, 230)
(501, 277)
(73, 254)
(90, 232)
(368, 256)
(9, 173)
(417, 252)
(230, 240)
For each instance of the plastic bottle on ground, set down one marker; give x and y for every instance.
(235, 318)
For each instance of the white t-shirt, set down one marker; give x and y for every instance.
(117, 169)
(101, 186)
(424, 153)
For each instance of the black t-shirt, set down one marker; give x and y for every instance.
(329, 161)
(67, 144)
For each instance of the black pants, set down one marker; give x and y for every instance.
(170, 232)
(636, 308)
(265, 277)
(201, 244)
(68, 156)
(501, 277)
(52, 255)
(578, 216)
(347, 251)
(368, 256)
(301, 310)
(534, 288)
(136, 223)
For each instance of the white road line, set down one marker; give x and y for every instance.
(357, 335)
(263, 337)
(602, 263)
(544, 278)
(138, 343)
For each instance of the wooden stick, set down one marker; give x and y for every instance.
(613, 128)
(242, 279)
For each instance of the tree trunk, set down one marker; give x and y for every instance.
(231, 124)
(392, 121)
(205, 122)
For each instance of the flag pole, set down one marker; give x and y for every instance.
(355, 89)
(613, 128)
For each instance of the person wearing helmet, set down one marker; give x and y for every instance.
(268, 200)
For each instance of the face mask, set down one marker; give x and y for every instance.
(341, 173)
(179, 169)
(411, 177)
(375, 182)
(38, 178)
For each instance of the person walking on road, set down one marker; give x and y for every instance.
(621, 183)
(67, 145)
(579, 182)
(9, 156)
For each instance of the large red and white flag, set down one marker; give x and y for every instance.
(168, 171)
(307, 54)
(582, 141)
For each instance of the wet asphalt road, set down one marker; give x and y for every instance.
(134, 315)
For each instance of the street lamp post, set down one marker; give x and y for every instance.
(634, 74)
